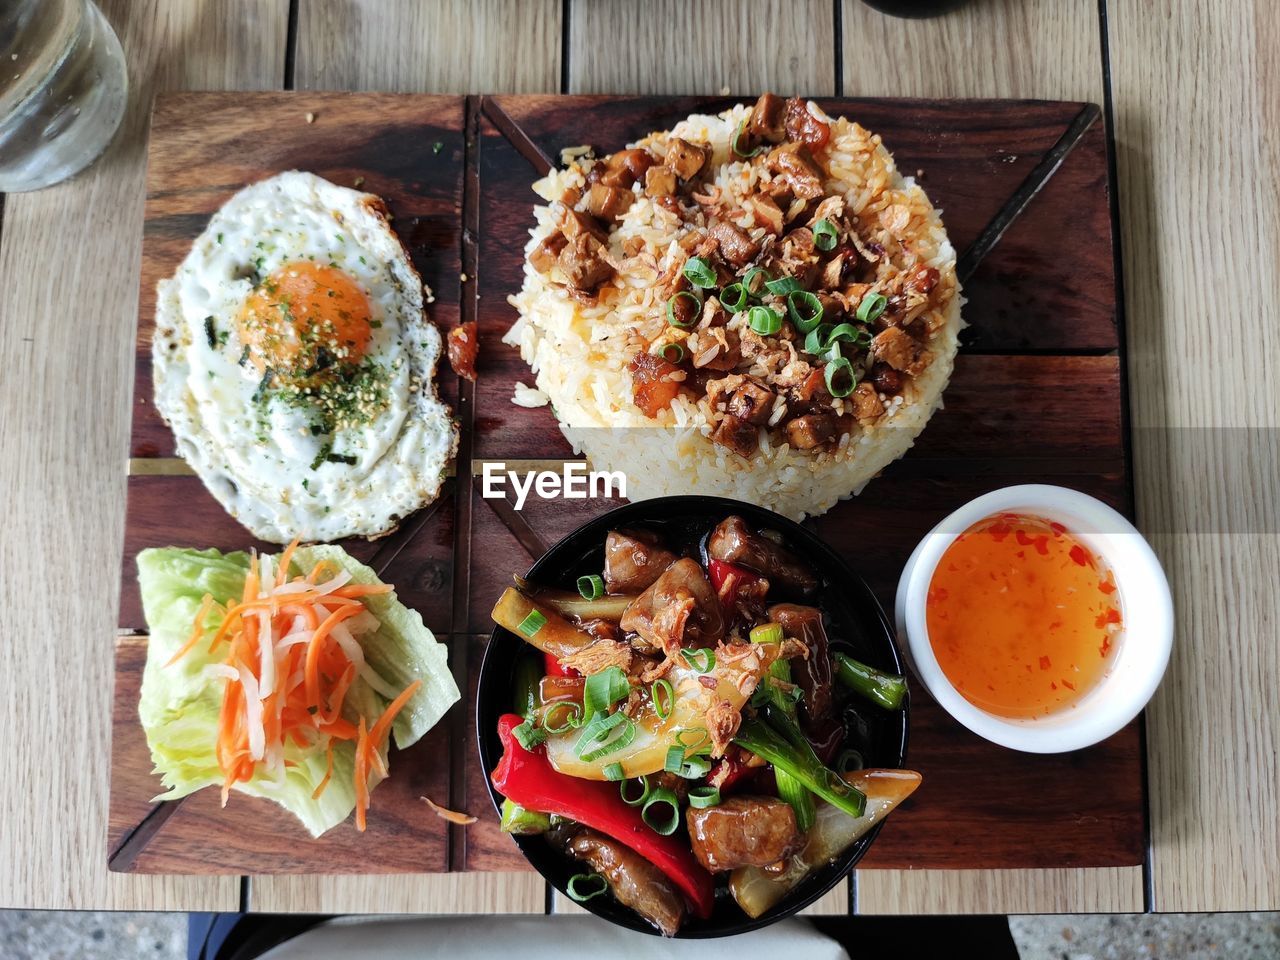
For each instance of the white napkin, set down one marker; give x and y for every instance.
(541, 938)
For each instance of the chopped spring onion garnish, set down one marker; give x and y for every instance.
(848, 333)
(871, 307)
(805, 310)
(702, 797)
(767, 633)
(848, 761)
(614, 771)
(672, 353)
(701, 740)
(684, 323)
(652, 813)
(736, 143)
(764, 321)
(753, 281)
(591, 587)
(599, 734)
(529, 736)
(691, 768)
(734, 297)
(816, 340)
(699, 660)
(645, 790)
(602, 690)
(561, 717)
(695, 767)
(840, 377)
(531, 624)
(663, 697)
(675, 759)
(583, 886)
(825, 235)
(783, 285)
(700, 273)
(627, 733)
(597, 729)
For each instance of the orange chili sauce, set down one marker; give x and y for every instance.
(1023, 617)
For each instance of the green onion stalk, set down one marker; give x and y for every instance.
(884, 689)
(527, 684)
(790, 787)
(791, 754)
(516, 819)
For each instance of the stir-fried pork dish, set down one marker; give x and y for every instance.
(682, 717)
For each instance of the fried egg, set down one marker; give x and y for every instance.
(295, 363)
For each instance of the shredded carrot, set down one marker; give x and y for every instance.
(339, 694)
(332, 599)
(353, 590)
(453, 816)
(342, 729)
(380, 765)
(290, 689)
(362, 776)
(197, 630)
(286, 558)
(328, 773)
(320, 570)
(251, 581)
(383, 725)
(316, 645)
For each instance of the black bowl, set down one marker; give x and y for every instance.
(855, 622)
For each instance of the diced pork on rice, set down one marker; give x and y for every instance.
(579, 347)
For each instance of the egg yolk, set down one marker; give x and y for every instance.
(305, 318)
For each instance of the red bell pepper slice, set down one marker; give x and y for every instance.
(527, 778)
(727, 579)
(556, 669)
(730, 772)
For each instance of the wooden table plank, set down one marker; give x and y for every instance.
(1005, 48)
(69, 271)
(991, 48)
(406, 46)
(1197, 107)
(672, 46)
(482, 893)
(1100, 890)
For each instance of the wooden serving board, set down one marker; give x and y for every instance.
(1037, 396)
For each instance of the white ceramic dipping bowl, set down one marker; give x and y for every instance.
(1145, 639)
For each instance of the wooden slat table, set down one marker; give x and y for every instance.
(1192, 95)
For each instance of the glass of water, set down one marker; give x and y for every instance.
(62, 90)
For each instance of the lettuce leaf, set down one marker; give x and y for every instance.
(401, 650)
(180, 703)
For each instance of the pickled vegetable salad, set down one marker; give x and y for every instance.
(718, 713)
(283, 677)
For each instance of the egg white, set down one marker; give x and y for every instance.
(258, 458)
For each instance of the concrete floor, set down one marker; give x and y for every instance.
(66, 935)
(53, 935)
(1188, 936)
